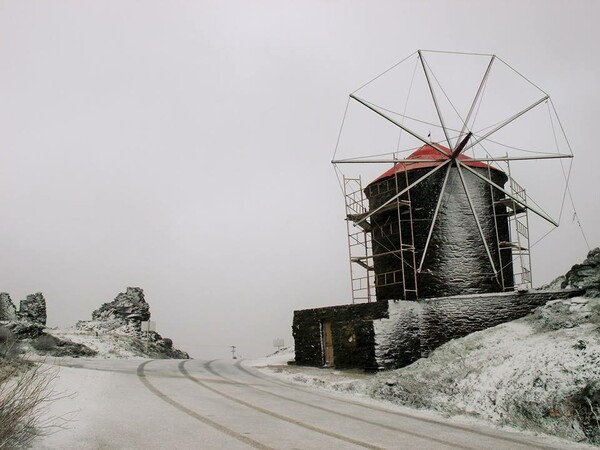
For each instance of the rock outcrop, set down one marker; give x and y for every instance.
(29, 321)
(123, 317)
(585, 275)
(7, 307)
(33, 308)
(115, 330)
(129, 306)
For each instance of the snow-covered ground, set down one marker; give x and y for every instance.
(540, 373)
(108, 345)
(528, 374)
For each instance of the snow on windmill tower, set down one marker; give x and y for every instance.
(447, 218)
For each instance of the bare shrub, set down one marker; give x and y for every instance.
(25, 395)
(585, 405)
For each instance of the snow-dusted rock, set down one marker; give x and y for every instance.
(33, 308)
(586, 275)
(7, 307)
(128, 305)
(115, 330)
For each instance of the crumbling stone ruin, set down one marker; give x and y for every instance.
(121, 319)
(128, 305)
(7, 307)
(124, 316)
(34, 308)
(27, 322)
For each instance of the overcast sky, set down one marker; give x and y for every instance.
(184, 147)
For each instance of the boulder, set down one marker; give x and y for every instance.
(163, 347)
(33, 308)
(585, 275)
(7, 308)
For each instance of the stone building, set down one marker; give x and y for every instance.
(441, 262)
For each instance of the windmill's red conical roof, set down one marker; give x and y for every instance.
(427, 152)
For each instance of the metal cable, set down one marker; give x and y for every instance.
(341, 128)
(406, 102)
(384, 72)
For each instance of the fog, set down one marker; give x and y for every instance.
(184, 147)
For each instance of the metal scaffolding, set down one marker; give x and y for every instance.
(362, 232)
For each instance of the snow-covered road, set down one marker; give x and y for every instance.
(195, 404)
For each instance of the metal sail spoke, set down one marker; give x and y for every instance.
(398, 124)
(513, 197)
(435, 102)
(506, 122)
(433, 220)
(476, 99)
(522, 158)
(487, 250)
(390, 161)
(403, 191)
(431, 160)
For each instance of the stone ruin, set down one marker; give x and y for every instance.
(122, 316)
(33, 308)
(7, 307)
(29, 320)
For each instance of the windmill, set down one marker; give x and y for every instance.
(448, 217)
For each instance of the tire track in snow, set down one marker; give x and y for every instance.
(285, 384)
(205, 420)
(338, 413)
(291, 420)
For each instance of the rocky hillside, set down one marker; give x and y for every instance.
(115, 330)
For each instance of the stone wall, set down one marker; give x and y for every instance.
(352, 329)
(394, 333)
(449, 318)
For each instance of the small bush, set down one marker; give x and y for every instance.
(585, 405)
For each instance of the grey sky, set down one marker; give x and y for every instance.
(184, 147)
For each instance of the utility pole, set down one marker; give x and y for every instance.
(233, 352)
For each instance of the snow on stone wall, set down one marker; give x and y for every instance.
(397, 340)
(413, 329)
(448, 318)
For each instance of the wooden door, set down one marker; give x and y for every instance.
(327, 344)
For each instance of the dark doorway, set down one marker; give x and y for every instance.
(327, 344)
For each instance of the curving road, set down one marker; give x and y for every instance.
(193, 404)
